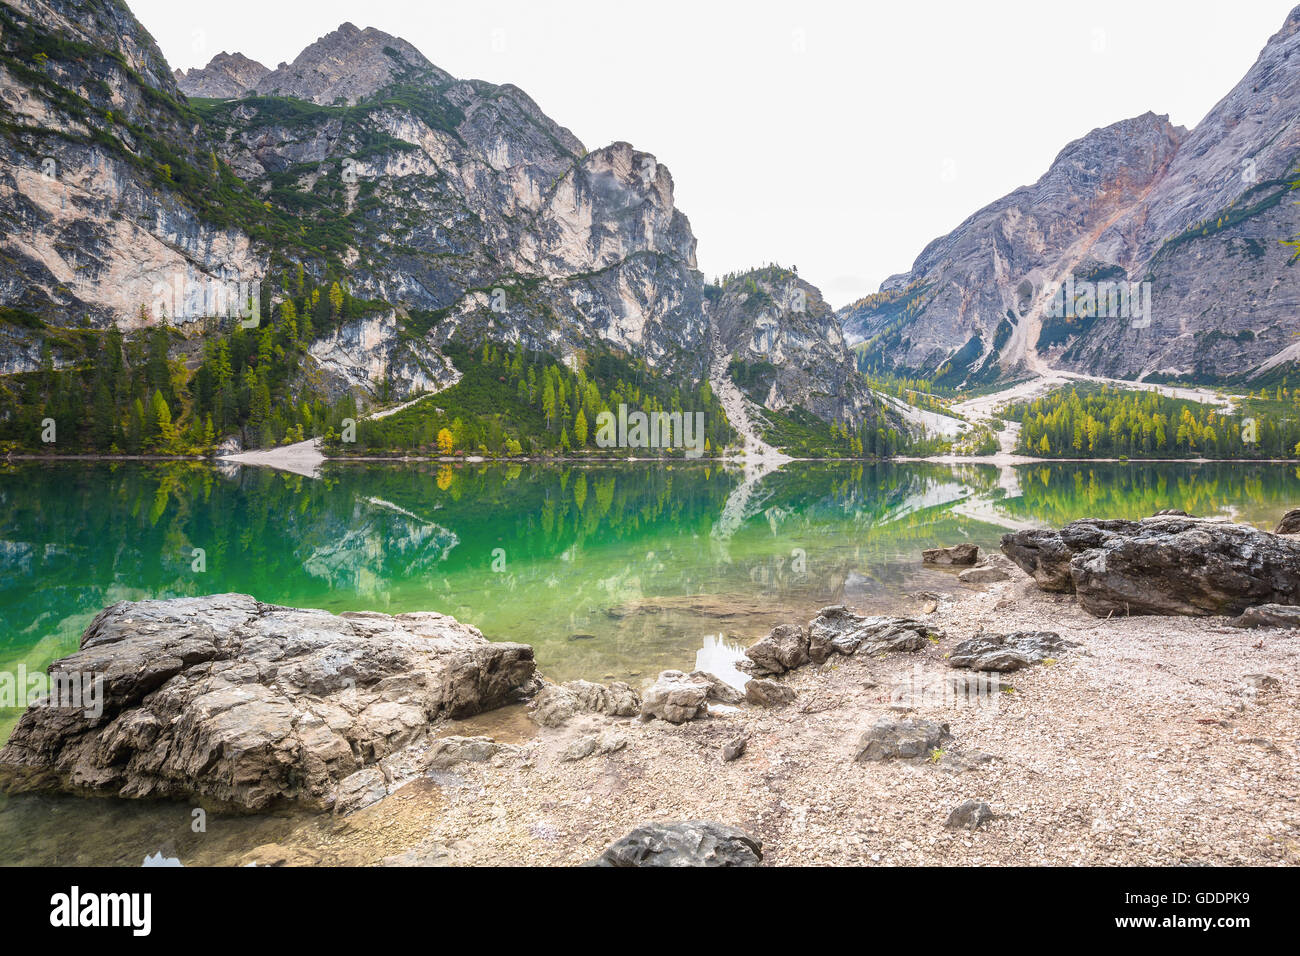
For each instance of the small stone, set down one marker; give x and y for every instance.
(971, 815)
(734, 748)
(1261, 681)
(580, 748)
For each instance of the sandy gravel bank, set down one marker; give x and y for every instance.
(1151, 744)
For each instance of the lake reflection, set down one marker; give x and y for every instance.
(610, 571)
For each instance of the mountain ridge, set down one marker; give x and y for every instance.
(1198, 214)
(432, 210)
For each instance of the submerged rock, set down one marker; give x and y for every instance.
(247, 705)
(446, 752)
(1008, 652)
(1164, 565)
(983, 575)
(907, 739)
(276, 855)
(692, 843)
(958, 554)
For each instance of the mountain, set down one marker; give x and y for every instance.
(389, 209)
(785, 346)
(1199, 216)
(225, 76)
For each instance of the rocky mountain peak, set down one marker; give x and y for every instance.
(784, 346)
(1196, 215)
(347, 65)
(226, 76)
(1289, 29)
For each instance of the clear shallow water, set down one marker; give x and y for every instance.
(610, 571)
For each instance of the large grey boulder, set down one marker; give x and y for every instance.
(1046, 554)
(247, 706)
(1163, 565)
(692, 843)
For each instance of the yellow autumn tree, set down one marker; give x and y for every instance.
(446, 442)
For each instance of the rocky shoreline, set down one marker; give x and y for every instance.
(1008, 723)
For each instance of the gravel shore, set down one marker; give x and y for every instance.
(1157, 741)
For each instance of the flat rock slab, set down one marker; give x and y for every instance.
(908, 739)
(248, 706)
(609, 742)
(1004, 653)
(958, 555)
(692, 843)
(1269, 615)
(983, 575)
(447, 752)
(1167, 565)
(556, 703)
(838, 630)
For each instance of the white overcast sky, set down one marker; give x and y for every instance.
(836, 137)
